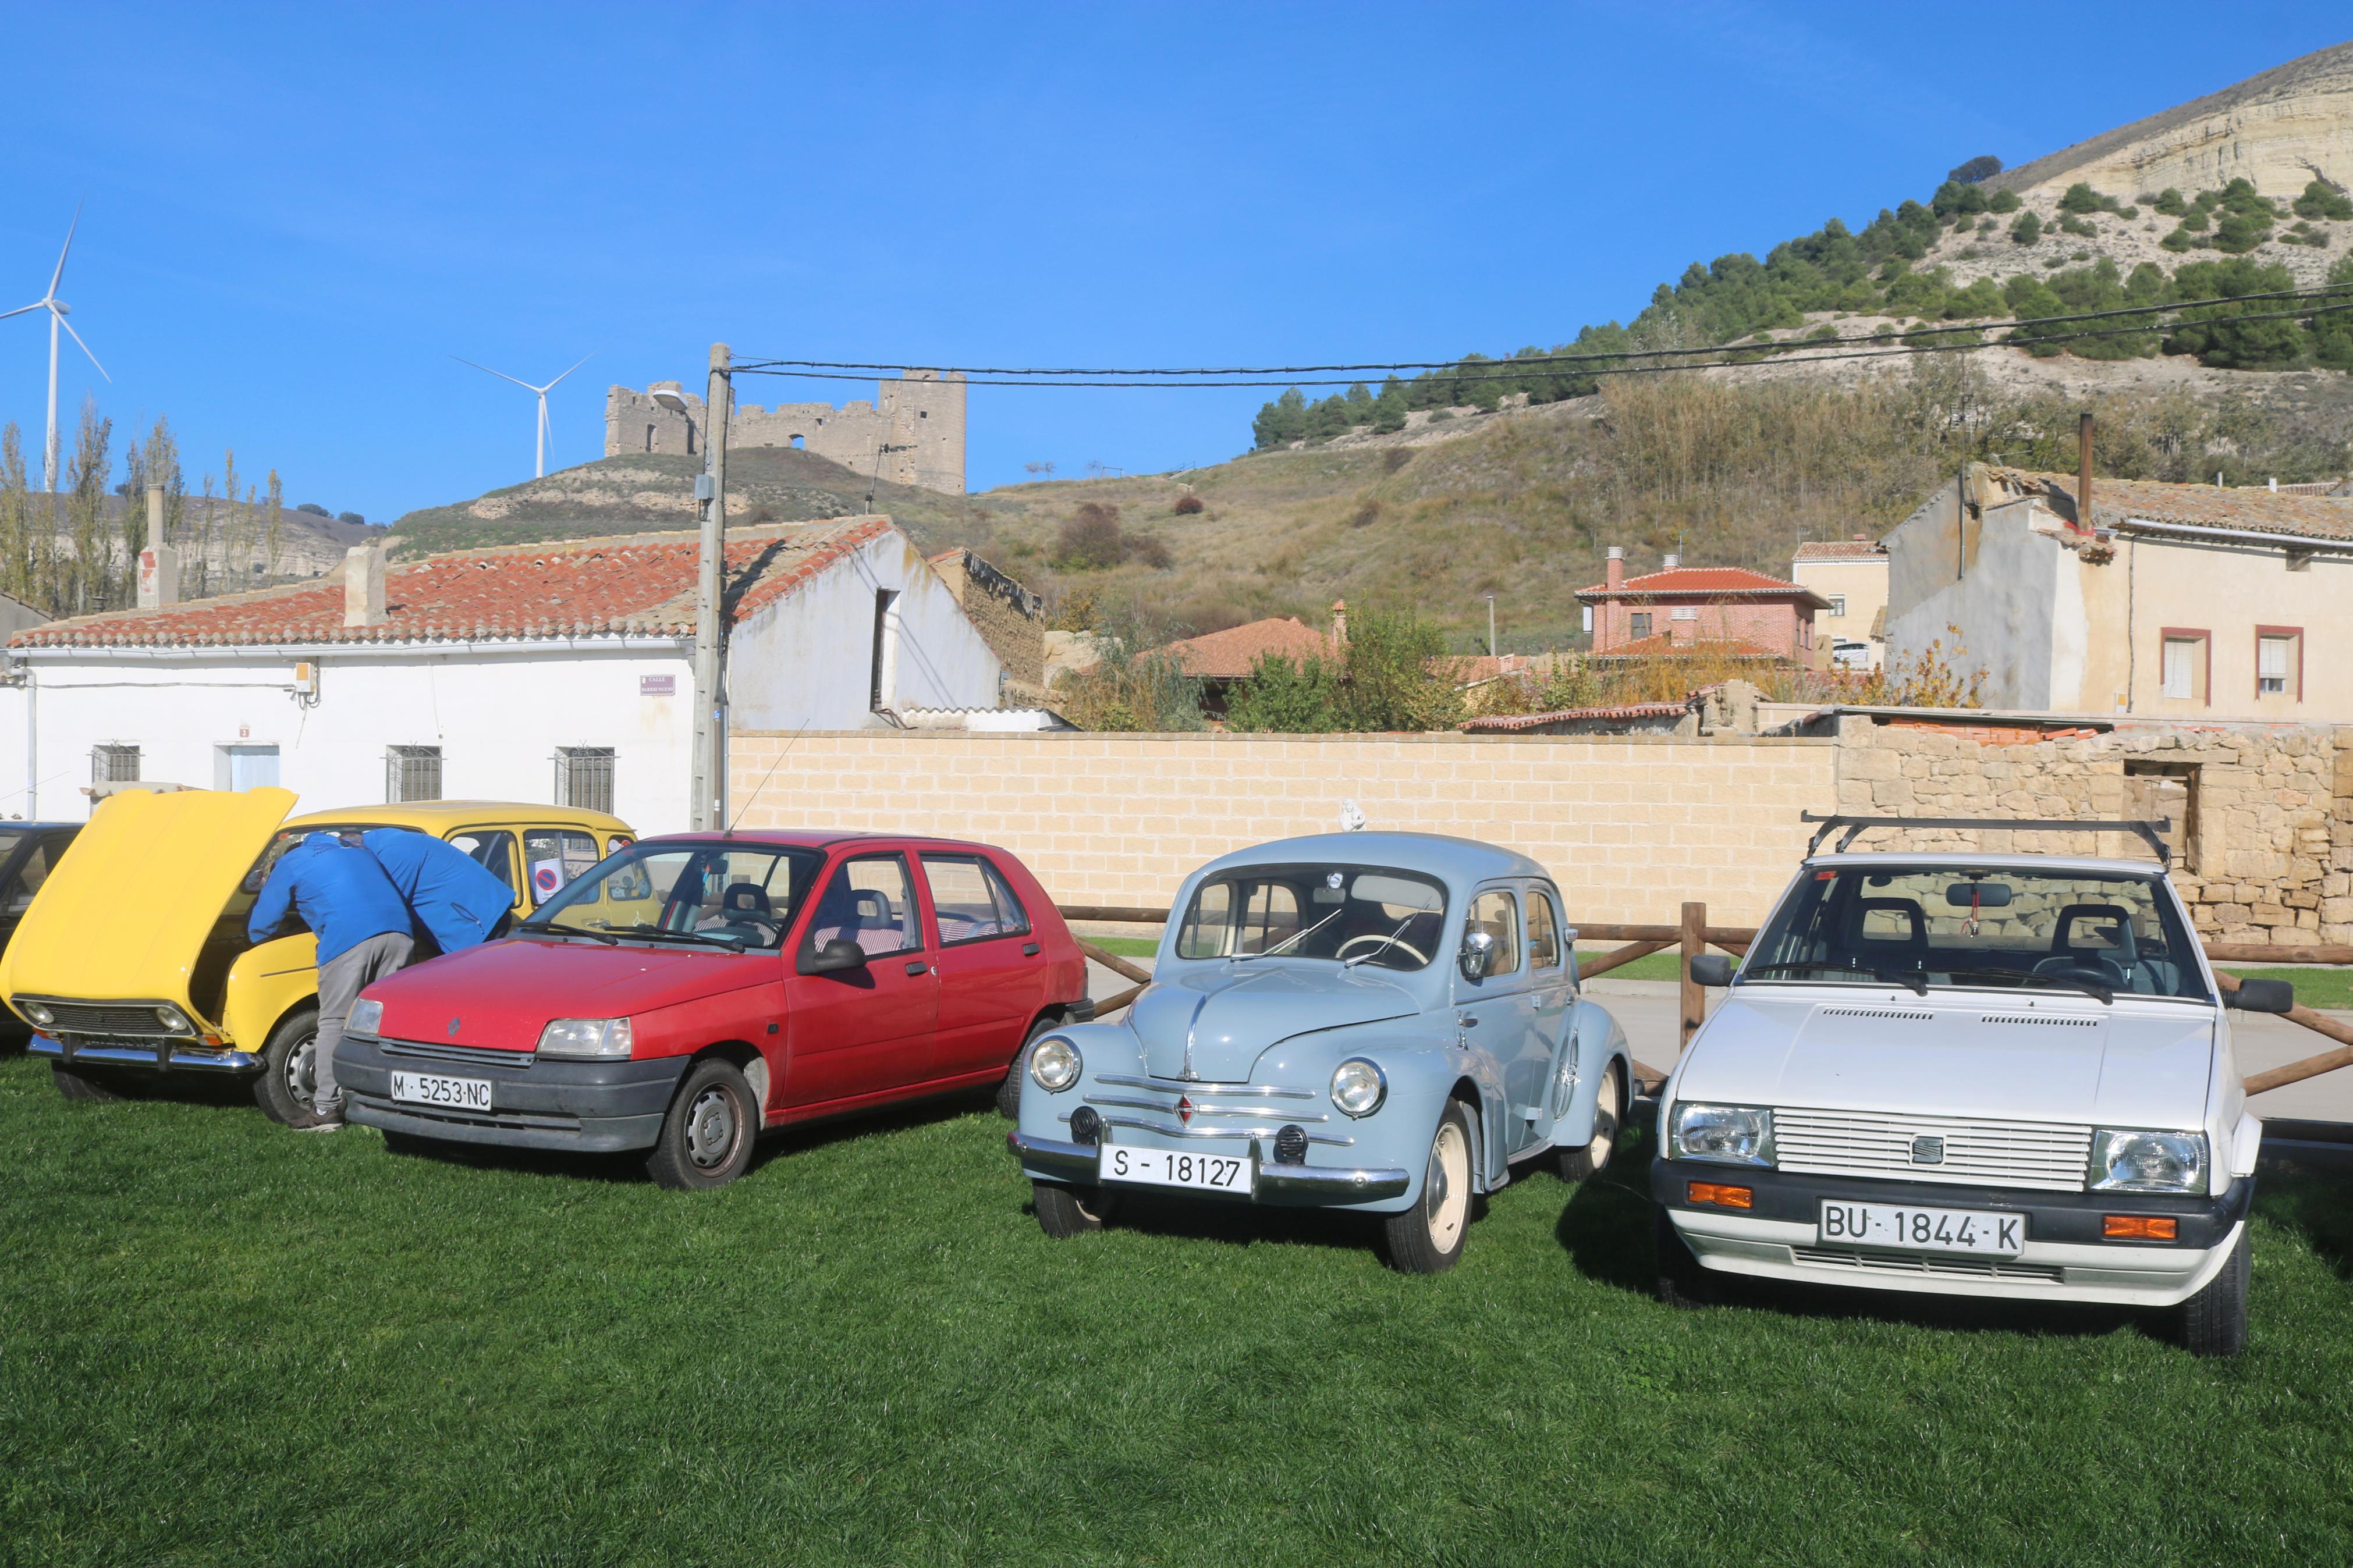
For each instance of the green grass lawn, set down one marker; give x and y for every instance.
(223, 1342)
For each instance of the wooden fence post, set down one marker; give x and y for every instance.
(1694, 997)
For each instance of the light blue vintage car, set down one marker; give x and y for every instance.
(1383, 1022)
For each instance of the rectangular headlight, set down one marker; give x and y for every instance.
(1724, 1135)
(366, 1018)
(2125, 1160)
(585, 1038)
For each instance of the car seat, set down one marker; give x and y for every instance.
(2122, 962)
(1908, 951)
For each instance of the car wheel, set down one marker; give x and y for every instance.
(80, 1083)
(1608, 1110)
(706, 1137)
(2213, 1323)
(286, 1089)
(1008, 1093)
(1684, 1280)
(1427, 1237)
(1064, 1212)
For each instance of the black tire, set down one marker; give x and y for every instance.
(1065, 1212)
(1582, 1164)
(2213, 1323)
(1427, 1237)
(1008, 1093)
(284, 1088)
(1683, 1281)
(707, 1134)
(82, 1083)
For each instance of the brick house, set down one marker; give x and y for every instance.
(1678, 607)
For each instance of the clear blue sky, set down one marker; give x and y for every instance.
(297, 215)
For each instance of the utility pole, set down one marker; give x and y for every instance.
(710, 766)
(1491, 625)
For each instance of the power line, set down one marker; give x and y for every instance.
(1525, 364)
(1751, 354)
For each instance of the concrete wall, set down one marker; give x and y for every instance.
(1630, 826)
(1999, 587)
(919, 417)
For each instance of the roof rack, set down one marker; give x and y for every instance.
(2150, 832)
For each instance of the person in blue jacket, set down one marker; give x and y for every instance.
(341, 893)
(456, 901)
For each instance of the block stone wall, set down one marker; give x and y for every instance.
(911, 434)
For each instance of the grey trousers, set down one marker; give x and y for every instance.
(340, 979)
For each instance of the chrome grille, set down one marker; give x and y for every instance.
(1909, 1263)
(1977, 1153)
(1220, 1109)
(466, 1055)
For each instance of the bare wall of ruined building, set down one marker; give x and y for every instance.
(911, 434)
(1011, 619)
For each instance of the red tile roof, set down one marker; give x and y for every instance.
(1842, 550)
(1231, 654)
(641, 585)
(1660, 645)
(1510, 721)
(2118, 501)
(1705, 583)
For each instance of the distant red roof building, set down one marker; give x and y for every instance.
(1231, 654)
(1678, 607)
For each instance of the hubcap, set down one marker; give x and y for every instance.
(301, 1076)
(1605, 1120)
(1447, 1201)
(710, 1129)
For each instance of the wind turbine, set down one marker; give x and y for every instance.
(541, 471)
(59, 311)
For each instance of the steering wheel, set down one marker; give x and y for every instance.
(2089, 966)
(1383, 940)
(751, 918)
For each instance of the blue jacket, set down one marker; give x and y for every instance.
(338, 891)
(454, 897)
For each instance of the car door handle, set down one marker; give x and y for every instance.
(915, 968)
(1466, 1020)
(1028, 949)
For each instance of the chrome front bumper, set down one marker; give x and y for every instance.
(164, 1055)
(1053, 1159)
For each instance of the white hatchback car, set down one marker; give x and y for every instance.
(1972, 1075)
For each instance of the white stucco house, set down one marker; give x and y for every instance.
(559, 672)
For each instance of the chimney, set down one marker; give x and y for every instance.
(1339, 623)
(159, 564)
(1613, 576)
(1862, 539)
(364, 585)
(1670, 560)
(2084, 472)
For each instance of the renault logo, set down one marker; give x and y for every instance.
(455, 1022)
(1927, 1151)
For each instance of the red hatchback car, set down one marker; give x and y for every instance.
(691, 990)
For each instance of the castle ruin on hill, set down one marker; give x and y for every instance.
(911, 434)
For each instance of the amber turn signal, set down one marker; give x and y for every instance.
(1720, 1196)
(2139, 1228)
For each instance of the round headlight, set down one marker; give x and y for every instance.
(39, 1014)
(1054, 1064)
(170, 1018)
(1358, 1087)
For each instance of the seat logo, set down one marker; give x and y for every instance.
(1185, 1109)
(1927, 1151)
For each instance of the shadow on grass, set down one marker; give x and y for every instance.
(2316, 1204)
(1241, 1224)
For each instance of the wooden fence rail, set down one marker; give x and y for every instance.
(1693, 935)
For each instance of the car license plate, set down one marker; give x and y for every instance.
(430, 1088)
(1922, 1230)
(1173, 1168)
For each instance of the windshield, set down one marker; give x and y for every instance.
(2112, 932)
(719, 894)
(1351, 914)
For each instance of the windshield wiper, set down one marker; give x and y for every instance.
(1916, 982)
(731, 944)
(605, 937)
(1286, 941)
(1351, 963)
(2092, 988)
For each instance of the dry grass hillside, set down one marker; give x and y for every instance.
(1520, 505)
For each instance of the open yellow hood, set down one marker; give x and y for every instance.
(126, 913)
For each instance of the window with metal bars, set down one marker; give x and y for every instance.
(110, 764)
(583, 778)
(412, 772)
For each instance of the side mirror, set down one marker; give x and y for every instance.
(1710, 969)
(832, 958)
(1478, 955)
(2260, 996)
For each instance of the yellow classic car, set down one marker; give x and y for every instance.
(133, 962)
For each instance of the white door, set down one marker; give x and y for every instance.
(249, 767)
